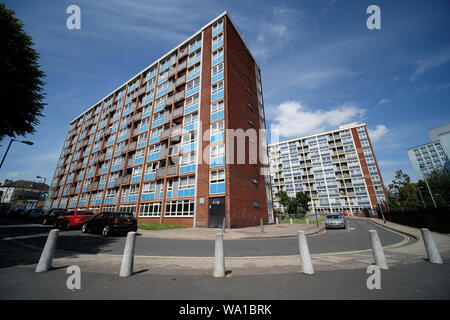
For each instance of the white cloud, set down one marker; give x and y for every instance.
(379, 132)
(296, 120)
(382, 101)
(424, 65)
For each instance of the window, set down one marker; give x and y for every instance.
(218, 53)
(150, 209)
(193, 69)
(149, 187)
(186, 182)
(192, 100)
(217, 87)
(137, 171)
(195, 54)
(187, 159)
(217, 69)
(134, 189)
(250, 122)
(194, 42)
(217, 24)
(155, 132)
(217, 176)
(217, 127)
(217, 39)
(180, 208)
(142, 137)
(193, 84)
(189, 137)
(190, 118)
(217, 150)
(154, 148)
(151, 167)
(139, 153)
(217, 106)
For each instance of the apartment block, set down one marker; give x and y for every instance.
(337, 169)
(433, 155)
(157, 145)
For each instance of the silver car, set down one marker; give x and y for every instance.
(335, 221)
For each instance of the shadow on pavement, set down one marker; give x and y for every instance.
(21, 242)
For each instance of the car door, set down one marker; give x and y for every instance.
(95, 223)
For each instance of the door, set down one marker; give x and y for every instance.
(216, 212)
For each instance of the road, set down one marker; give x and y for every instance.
(412, 281)
(329, 241)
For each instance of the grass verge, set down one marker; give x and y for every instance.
(158, 226)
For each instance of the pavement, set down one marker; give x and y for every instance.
(270, 231)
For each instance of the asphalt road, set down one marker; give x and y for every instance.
(328, 242)
(411, 281)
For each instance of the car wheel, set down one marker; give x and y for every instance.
(105, 231)
(84, 228)
(44, 222)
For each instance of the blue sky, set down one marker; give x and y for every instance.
(320, 65)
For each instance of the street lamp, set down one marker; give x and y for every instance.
(426, 182)
(9, 145)
(423, 202)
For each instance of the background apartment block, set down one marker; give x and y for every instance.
(433, 155)
(140, 149)
(337, 169)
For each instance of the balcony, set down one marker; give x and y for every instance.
(177, 112)
(171, 170)
(126, 179)
(179, 96)
(171, 72)
(165, 134)
(131, 146)
(160, 172)
(169, 101)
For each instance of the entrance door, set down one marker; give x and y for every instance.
(216, 212)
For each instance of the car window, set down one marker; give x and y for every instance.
(85, 213)
(69, 213)
(123, 215)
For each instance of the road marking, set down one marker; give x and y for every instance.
(26, 237)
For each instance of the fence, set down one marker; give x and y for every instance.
(435, 219)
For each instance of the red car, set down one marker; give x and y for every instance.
(73, 218)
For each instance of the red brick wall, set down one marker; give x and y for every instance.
(365, 169)
(242, 191)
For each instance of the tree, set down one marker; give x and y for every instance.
(21, 92)
(402, 193)
(294, 206)
(439, 182)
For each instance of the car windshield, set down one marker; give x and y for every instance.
(332, 217)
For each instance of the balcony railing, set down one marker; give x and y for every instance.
(171, 170)
(160, 172)
(179, 96)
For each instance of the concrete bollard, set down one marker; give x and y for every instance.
(46, 259)
(262, 225)
(305, 257)
(223, 225)
(377, 249)
(307, 220)
(219, 261)
(291, 221)
(126, 269)
(277, 221)
(430, 246)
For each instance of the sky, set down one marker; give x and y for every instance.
(321, 66)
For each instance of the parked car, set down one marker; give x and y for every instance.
(110, 223)
(24, 214)
(72, 219)
(51, 215)
(15, 211)
(335, 221)
(35, 214)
